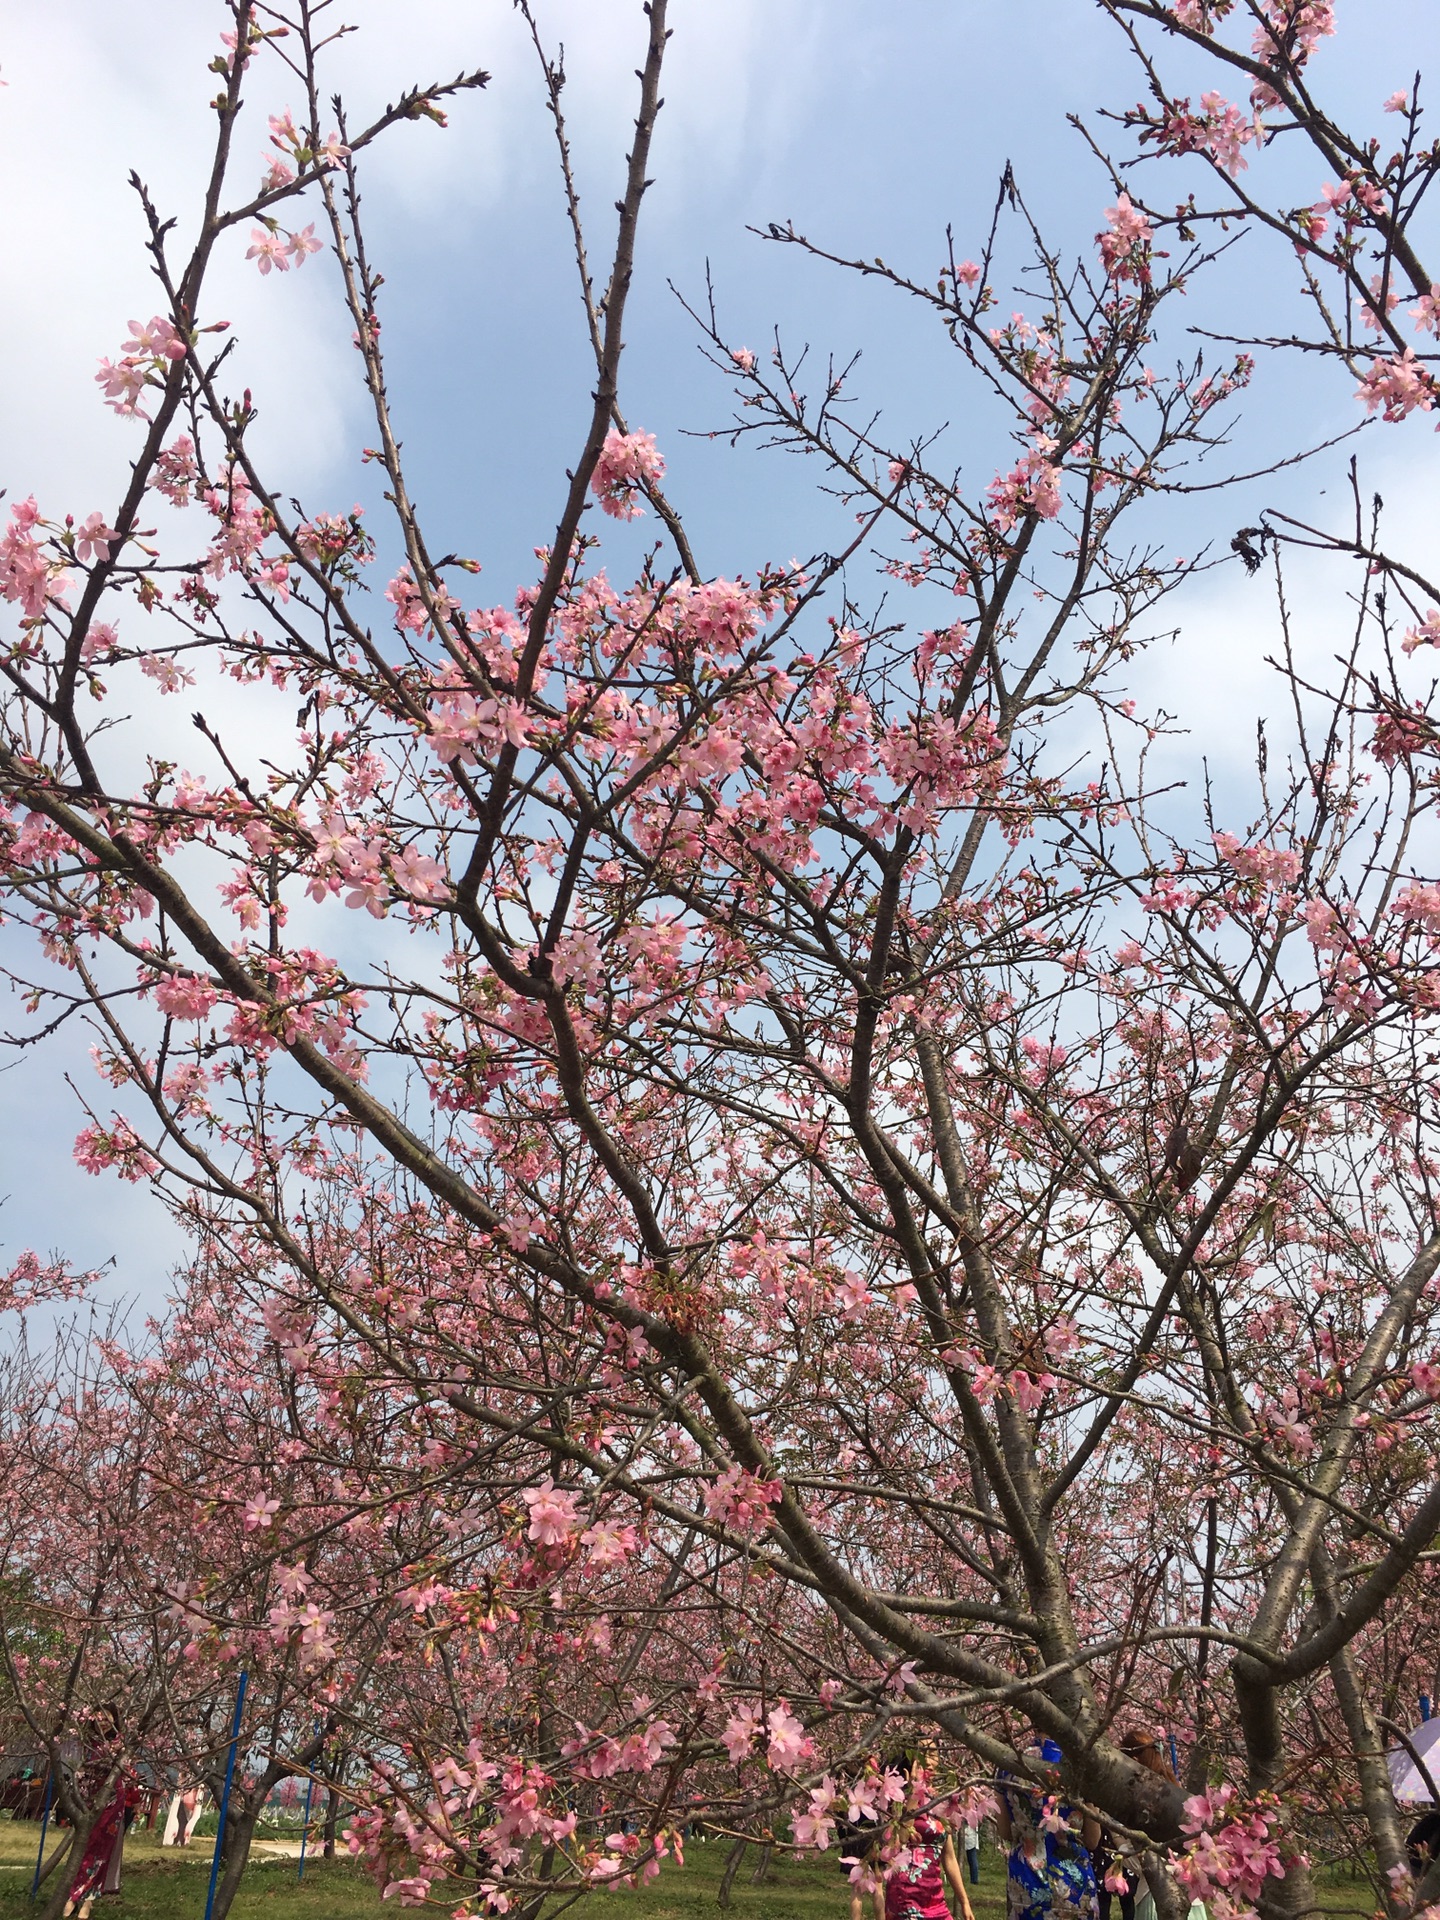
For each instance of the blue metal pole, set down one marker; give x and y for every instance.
(305, 1829)
(225, 1796)
(44, 1824)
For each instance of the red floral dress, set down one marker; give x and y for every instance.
(109, 1826)
(916, 1889)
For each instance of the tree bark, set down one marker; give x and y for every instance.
(60, 1892)
(234, 1855)
(332, 1804)
(732, 1867)
(1376, 1794)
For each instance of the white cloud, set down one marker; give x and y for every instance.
(85, 104)
(1216, 675)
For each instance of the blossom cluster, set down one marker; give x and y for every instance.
(628, 463)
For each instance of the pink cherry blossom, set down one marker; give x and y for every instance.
(554, 1514)
(1125, 248)
(260, 1512)
(741, 1500)
(628, 462)
(184, 997)
(93, 539)
(1269, 866)
(302, 244)
(268, 249)
(119, 1147)
(99, 642)
(176, 471)
(1397, 386)
(1220, 130)
(608, 1544)
(156, 339)
(166, 671)
(740, 1730)
(1032, 486)
(419, 874)
(786, 1742)
(123, 382)
(814, 1826)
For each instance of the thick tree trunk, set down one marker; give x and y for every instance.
(1259, 1713)
(732, 1867)
(235, 1853)
(66, 1857)
(1376, 1794)
(1170, 1902)
(332, 1804)
(60, 1892)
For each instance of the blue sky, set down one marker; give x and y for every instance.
(870, 123)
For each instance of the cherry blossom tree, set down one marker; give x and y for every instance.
(84, 1668)
(844, 1201)
(260, 1552)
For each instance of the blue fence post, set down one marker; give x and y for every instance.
(44, 1824)
(225, 1796)
(309, 1789)
(305, 1828)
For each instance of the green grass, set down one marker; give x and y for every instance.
(165, 1884)
(169, 1883)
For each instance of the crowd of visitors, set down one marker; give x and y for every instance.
(1060, 1864)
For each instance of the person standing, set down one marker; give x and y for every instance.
(970, 1846)
(1052, 1868)
(856, 1838)
(1422, 1843)
(1115, 1878)
(99, 1867)
(1136, 1902)
(925, 1862)
(189, 1808)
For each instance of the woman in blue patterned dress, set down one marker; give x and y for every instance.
(1052, 1874)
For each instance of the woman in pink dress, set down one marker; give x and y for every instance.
(926, 1860)
(185, 1827)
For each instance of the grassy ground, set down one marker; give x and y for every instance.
(166, 1884)
(170, 1883)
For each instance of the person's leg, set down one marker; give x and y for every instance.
(972, 1861)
